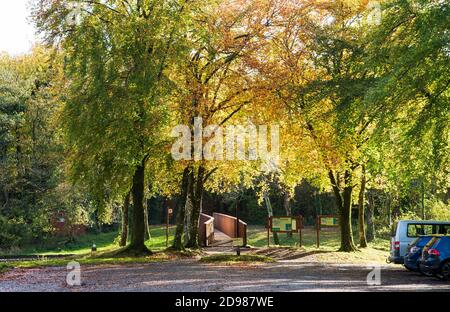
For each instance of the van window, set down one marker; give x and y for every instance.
(415, 230)
(445, 229)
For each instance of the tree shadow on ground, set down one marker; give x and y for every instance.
(286, 253)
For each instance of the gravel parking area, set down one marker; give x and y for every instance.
(191, 276)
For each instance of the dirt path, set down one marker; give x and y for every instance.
(191, 276)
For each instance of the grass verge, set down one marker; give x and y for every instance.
(82, 245)
(5, 267)
(110, 257)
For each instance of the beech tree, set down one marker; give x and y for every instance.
(115, 54)
(214, 86)
(319, 48)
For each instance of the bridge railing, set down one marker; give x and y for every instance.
(206, 231)
(227, 225)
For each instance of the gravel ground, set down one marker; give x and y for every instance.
(191, 276)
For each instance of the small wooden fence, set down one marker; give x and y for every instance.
(206, 231)
(223, 223)
(227, 225)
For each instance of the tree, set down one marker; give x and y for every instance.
(29, 148)
(115, 60)
(125, 222)
(361, 210)
(213, 88)
(407, 58)
(318, 50)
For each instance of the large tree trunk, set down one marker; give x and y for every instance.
(361, 211)
(197, 199)
(125, 211)
(347, 243)
(188, 206)
(137, 244)
(178, 240)
(344, 203)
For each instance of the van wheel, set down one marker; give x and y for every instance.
(444, 271)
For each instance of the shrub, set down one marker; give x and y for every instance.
(437, 210)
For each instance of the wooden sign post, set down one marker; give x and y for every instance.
(322, 221)
(285, 225)
(300, 226)
(169, 213)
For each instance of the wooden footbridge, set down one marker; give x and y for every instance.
(220, 230)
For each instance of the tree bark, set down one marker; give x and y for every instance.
(347, 243)
(361, 211)
(344, 204)
(178, 240)
(137, 244)
(125, 210)
(188, 207)
(197, 200)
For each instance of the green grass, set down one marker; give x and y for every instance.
(90, 261)
(104, 242)
(230, 259)
(101, 258)
(5, 267)
(81, 245)
(158, 237)
(80, 251)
